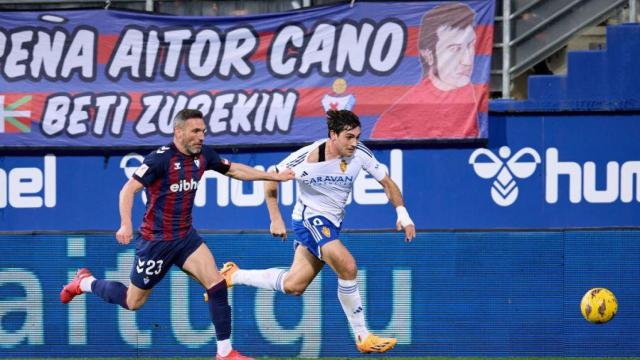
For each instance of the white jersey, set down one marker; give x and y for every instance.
(325, 186)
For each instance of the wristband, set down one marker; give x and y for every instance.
(403, 216)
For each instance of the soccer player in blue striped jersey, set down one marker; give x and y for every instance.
(325, 172)
(170, 176)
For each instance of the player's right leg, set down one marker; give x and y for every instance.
(293, 281)
(74, 288)
(152, 261)
(303, 270)
(113, 292)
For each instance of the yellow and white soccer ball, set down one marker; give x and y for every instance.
(598, 305)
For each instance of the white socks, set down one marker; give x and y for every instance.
(85, 284)
(270, 279)
(349, 295)
(224, 347)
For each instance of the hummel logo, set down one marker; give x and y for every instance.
(162, 149)
(504, 189)
(176, 166)
(140, 266)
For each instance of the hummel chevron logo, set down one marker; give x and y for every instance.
(504, 190)
(140, 266)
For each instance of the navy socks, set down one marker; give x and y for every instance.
(112, 292)
(220, 310)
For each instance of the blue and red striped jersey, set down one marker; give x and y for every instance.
(171, 180)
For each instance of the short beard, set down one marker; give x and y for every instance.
(189, 150)
(194, 152)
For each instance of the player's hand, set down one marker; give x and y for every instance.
(404, 222)
(124, 234)
(409, 231)
(285, 175)
(278, 229)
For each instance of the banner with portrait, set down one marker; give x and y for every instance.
(108, 78)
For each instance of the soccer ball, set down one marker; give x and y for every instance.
(598, 305)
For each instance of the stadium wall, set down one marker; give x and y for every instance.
(499, 290)
(511, 293)
(552, 198)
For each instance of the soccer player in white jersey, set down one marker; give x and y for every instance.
(325, 172)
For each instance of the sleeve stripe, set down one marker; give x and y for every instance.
(297, 160)
(300, 156)
(364, 149)
(294, 163)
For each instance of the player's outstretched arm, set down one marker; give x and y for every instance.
(244, 172)
(395, 197)
(276, 227)
(125, 233)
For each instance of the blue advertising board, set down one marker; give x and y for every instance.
(445, 294)
(536, 172)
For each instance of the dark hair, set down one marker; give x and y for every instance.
(455, 16)
(341, 120)
(186, 114)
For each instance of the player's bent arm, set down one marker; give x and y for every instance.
(125, 204)
(393, 191)
(277, 227)
(126, 199)
(395, 197)
(244, 172)
(271, 198)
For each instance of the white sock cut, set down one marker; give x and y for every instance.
(85, 284)
(270, 279)
(224, 347)
(349, 295)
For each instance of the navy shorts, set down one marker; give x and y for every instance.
(154, 258)
(314, 232)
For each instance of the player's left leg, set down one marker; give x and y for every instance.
(202, 266)
(342, 262)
